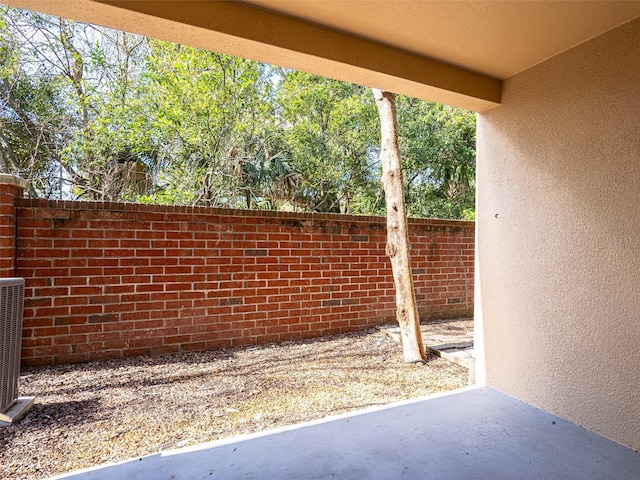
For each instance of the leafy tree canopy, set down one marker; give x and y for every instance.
(91, 113)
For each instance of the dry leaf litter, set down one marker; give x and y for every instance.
(108, 411)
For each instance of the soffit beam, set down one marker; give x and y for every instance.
(247, 31)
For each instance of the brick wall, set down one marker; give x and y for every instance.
(10, 189)
(112, 280)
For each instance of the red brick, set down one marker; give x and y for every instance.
(69, 339)
(64, 358)
(170, 276)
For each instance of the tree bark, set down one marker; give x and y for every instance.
(397, 248)
(8, 162)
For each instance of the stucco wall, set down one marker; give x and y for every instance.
(559, 236)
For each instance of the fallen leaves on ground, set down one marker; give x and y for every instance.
(100, 412)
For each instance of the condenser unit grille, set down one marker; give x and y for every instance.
(11, 307)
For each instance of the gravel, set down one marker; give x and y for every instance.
(100, 412)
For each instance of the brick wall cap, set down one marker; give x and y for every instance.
(311, 218)
(8, 179)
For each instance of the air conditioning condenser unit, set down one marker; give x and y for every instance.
(12, 406)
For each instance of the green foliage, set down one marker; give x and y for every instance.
(329, 127)
(438, 150)
(210, 118)
(88, 112)
(59, 101)
(30, 108)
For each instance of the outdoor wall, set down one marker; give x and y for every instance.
(114, 280)
(10, 189)
(558, 262)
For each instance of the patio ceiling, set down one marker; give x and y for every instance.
(452, 52)
(495, 38)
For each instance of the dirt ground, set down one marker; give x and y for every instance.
(100, 412)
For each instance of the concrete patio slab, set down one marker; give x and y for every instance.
(456, 347)
(475, 433)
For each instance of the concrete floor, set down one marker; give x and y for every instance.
(470, 434)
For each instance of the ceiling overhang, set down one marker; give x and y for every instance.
(250, 32)
(456, 53)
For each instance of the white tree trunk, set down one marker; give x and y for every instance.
(397, 232)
